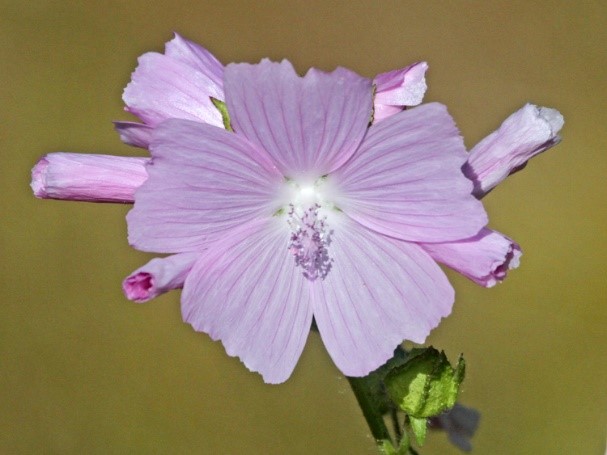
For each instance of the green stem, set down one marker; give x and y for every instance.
(396, 424)
(370, 408)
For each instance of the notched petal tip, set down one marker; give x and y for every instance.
(308, 125)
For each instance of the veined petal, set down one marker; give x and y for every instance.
(163, 87)
(484, 258)
(399, 88)
(158, 276)
(309, 125)
(526, 133)
(88, 177)
(202, 181)
(247, 292)
(405, 180)
(197, 57)
(379, 292)
(135, 134)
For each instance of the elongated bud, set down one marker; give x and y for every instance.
(158, 276)
(92, 178)
(529, 131)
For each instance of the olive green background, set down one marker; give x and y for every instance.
(82, 370)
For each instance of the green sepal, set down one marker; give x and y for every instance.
(223, 110)
(426, 384)
(419, 428)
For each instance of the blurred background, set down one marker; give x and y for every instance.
(82, 370)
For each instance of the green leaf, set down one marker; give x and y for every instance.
(426, 384)
(223, 110)
(420, 428)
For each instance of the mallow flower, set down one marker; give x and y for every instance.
(303, 211)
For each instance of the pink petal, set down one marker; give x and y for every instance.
(197, 57)
(406, 180)
(399, 88)
(527, 132)
(247, 292)
(202, 181)
(484, 258)
(379, 292)
(87, 177)
(158, 276)
(310, 125)
(163, 87)
(135, 134)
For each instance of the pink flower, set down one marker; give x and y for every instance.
(304, 212)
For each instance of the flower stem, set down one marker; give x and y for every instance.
(370, 407)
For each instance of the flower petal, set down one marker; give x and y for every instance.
(405, 180)
(379, 292)
(197, 57)
(310, 125)
(202, 181)
(158, 276)
(247, 292)
(399, 88)
(88, 177)
(135, 134)
(526, 133)
(484, 258)
(163, 87)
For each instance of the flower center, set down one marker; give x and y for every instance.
(310, 234)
